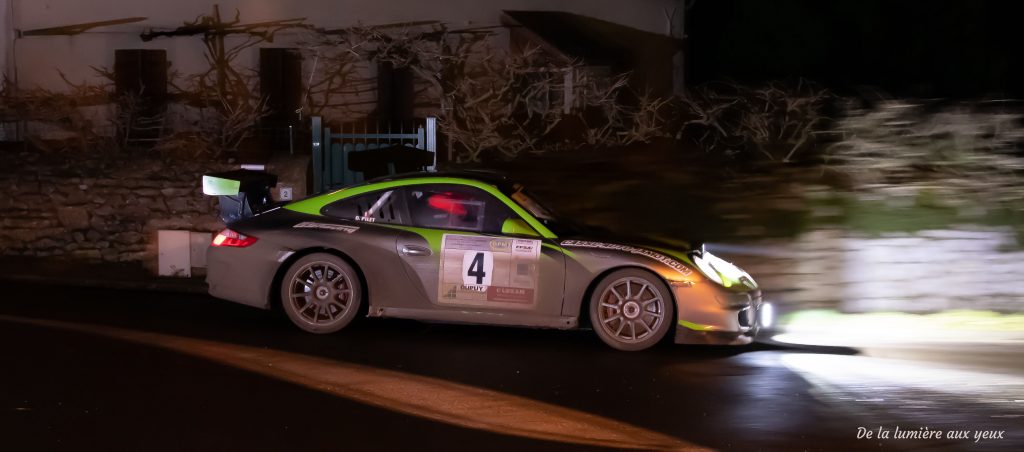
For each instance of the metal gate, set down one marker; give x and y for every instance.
(331, 150)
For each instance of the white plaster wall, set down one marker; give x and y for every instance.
(39, 58)
(934, 270)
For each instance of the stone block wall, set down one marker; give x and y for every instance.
(970, 267)
(99, 209)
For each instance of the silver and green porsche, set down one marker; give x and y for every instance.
(476, 248)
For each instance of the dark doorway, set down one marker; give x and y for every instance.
(281, 86)
(140, 82)
(395, 93)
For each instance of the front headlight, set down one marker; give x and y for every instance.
(720, 270)
(705, 267)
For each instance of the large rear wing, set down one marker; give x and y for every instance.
(241, 193)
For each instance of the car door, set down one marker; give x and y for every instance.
(377, 218)
(466, 266)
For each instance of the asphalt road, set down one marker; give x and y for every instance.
(94, 369)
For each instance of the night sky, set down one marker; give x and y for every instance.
(953, 49)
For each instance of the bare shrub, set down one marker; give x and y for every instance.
(490, 102)
(970, 147)
(774, 122)
(511, 104)
(65, 113)
(225, 96)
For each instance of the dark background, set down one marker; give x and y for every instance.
(953, 49)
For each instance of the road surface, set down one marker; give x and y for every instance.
(96, 369)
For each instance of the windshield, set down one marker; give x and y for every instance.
(531, 205)
(556, 224)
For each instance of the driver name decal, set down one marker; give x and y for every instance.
(488, 271)
(668, 261)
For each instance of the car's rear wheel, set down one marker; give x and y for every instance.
(631, 309)
(321, 293)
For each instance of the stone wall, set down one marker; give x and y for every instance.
(965, 267)
(99, 208)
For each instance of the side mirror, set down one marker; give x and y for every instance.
(516, 226)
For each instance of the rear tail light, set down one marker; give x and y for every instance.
(228, 237)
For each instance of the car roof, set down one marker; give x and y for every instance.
(482, 179)
(487, 176)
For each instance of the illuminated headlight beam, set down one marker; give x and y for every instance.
(767, 313)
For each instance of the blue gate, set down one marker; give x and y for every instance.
(331, 150)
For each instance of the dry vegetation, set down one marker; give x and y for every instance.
(488, 102)
(967, 147)
(224, 98)
(775, 122)
(497, 105)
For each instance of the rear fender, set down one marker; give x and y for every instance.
(273, 296)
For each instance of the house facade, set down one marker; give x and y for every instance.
(34, 60)
(102, 49)
(56, 45)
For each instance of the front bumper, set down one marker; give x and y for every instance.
(709, 314)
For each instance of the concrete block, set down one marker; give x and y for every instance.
(174, 253)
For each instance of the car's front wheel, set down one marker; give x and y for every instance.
(631, 309)
(321, 293)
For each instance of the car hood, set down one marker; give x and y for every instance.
(682, 250)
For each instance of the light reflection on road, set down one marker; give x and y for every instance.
(431, 398)
(888, 393)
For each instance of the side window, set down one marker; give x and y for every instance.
(455, 207)
(377, 207)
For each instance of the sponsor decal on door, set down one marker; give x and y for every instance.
(488, 271)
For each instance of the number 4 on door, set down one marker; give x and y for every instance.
(477, 267)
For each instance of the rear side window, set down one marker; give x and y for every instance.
(378, 207)
(457, 207)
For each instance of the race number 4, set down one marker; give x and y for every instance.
(477, 267)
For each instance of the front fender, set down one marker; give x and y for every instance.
(587, 261)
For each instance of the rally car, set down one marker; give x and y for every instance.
(475, 248)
